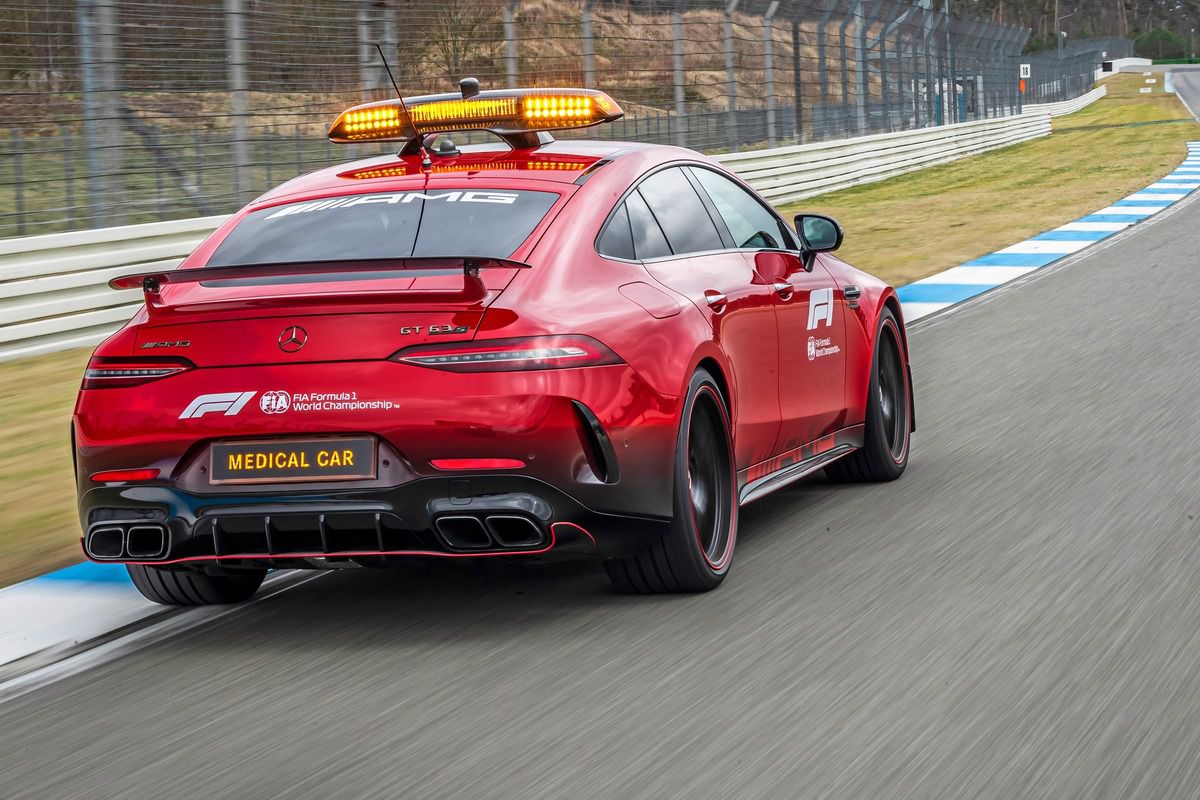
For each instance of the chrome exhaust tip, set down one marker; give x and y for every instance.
(462, 533)
(512, 532)
(105, 542)
(146, 541)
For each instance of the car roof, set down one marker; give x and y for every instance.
(558, 162)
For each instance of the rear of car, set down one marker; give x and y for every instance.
(287, 417)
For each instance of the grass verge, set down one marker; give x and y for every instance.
(902, 229)
(914, 225)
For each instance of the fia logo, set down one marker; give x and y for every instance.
(275, 402)
(812, 348)
(820, 309)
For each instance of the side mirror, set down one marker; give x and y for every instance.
(818, 234)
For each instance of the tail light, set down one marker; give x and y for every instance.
(511, 355)
(112, 373)
(124, 476)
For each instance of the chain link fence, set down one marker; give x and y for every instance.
(124, 111)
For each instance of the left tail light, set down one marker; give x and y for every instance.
(511, 355)
(111, 373)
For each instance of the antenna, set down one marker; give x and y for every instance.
(391, 77)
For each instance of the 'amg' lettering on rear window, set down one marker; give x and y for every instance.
(477, 222)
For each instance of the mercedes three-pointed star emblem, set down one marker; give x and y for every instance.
(292, 339)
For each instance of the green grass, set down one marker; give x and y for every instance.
(903, 229)
(914, 225)
(40, 531)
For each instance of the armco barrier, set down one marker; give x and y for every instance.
(785, 174)
(53, 292)
(53, 289)
(1066, 106)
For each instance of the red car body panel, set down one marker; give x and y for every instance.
(596, 444)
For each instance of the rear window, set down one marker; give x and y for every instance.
(478, 222)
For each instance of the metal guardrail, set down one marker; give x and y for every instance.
(53, 292)
(787, 174)
(1067, 106)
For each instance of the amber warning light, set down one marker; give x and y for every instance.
(503, 112)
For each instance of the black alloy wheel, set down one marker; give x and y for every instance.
(695, 554)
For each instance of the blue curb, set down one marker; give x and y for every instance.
(939, 292)
(90, 572)
(1072, 236)
(1113, 217)
(1015, 260)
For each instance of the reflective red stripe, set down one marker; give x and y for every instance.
(476, 463)
(124, 475)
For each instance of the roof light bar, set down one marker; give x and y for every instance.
(505, 112)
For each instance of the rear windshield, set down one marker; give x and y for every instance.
(478, 222)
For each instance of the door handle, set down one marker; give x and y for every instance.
(716, 301)
(852, 293)
(783, 289)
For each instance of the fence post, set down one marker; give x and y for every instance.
(85, 24)
(236, 72)
(589, 47)
(822, 66)
(769, 68)
(364, 48)
(680, 105)
(860, 66)
(68, 146)
(797, 86)
(731, 75)
(14, 141)
(844, 62)
(510, 42)
(110, 111)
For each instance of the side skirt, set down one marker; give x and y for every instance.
(762, 479)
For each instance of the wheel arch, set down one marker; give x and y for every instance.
(892, 303)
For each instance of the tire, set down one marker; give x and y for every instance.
(694, 555)
(884, 453)
(171, 587)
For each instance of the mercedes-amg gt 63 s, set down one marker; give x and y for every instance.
(526, 348)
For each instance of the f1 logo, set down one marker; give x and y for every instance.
(820, 308)
(228, 402)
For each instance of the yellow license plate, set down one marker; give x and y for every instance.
(293, 460)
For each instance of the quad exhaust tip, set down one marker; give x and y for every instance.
(493, 531)
(140, 541)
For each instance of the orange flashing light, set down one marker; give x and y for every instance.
(400, 170)
(504, 112)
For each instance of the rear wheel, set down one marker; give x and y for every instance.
(181, 588)
(695, 554)
(884, 453)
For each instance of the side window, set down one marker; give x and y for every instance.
(617, 239)
(750, 224)
(648, 239)
(680, 212)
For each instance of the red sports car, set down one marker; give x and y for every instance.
(527, 348)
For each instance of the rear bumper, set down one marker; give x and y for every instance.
(448, 517)
(599, 435)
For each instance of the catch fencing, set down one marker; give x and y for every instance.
(128, 111)
(54, 293)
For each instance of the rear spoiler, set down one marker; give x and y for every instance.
(473, 289)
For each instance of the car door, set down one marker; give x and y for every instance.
(809, 312)
(680, 245)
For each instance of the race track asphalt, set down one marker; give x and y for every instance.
(1018, 616)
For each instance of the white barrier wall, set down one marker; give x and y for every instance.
(54, 293)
